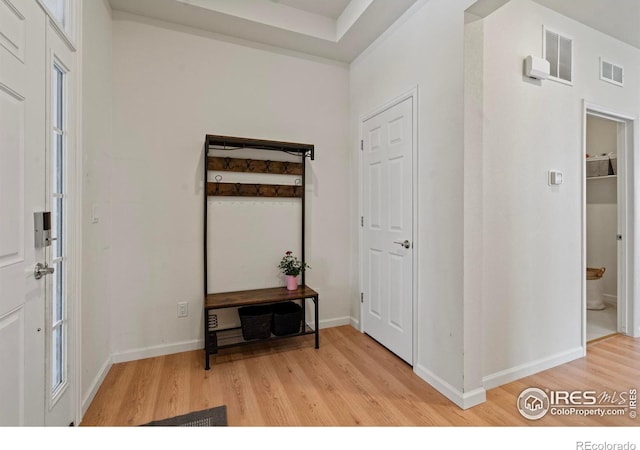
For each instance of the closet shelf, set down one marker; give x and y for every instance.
(224, 164)
(253, 190)
(602, 177)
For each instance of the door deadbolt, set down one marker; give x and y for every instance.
(41, 270)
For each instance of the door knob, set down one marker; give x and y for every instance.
(42, 270)
(405, 244)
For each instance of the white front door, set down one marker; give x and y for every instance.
(22, 192)
(388, 228)
(60, 333)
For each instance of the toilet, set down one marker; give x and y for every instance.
(594, 289)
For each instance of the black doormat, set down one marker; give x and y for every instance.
(213, 417)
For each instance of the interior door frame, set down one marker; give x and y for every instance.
(627, 252)
(410, 94)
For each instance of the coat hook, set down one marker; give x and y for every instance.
(298, 182)
(218, 178)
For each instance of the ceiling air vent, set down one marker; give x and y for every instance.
(611, 72)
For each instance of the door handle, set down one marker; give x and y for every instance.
(405, 243)
(41, 270)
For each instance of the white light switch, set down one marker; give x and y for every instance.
(555, 178)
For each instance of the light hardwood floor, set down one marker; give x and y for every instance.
(351, 380)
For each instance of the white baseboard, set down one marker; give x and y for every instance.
(464, 400)
(95, 385)
(355, 323)
(158, 350)
(330, 323)
(198, 344)
(610, 299)
(523, 370)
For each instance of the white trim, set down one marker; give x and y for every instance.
(463, 400)
(157, 350)
(355, 323)
(336, 322)
(412, 94)
(198, 344)
(93, 388)
(330, 323)
(523, 370)
(77, 196)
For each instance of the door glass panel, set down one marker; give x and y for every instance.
(58, 285)
(58, 10)
(57, 298)
(57, 377)
(57, 215)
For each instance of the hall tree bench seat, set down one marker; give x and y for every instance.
(215, 339)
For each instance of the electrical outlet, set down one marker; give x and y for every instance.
(183, 309)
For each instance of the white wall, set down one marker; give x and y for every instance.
(473, 140)
(173, 85)
(425, 49)
(602, 207)
(96, 184)
(532, 277)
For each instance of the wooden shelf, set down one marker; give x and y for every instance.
(233, 143)
(224, 164)
(227, 339)
(253, 190)
(256, 297)
(218, 339)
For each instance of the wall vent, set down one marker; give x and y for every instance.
(611, 73)
(558, 50)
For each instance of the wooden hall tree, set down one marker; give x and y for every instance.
(216, 339)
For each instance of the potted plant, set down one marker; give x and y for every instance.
(291, 267)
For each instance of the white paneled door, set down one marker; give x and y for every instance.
(22, 192)
(387, 146)
(36, 149)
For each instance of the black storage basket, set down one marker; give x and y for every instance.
(255, 321)
(286, 319)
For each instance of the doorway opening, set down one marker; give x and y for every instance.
(607, 223)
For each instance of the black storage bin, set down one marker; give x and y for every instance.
(255, 321)
(286, 318)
